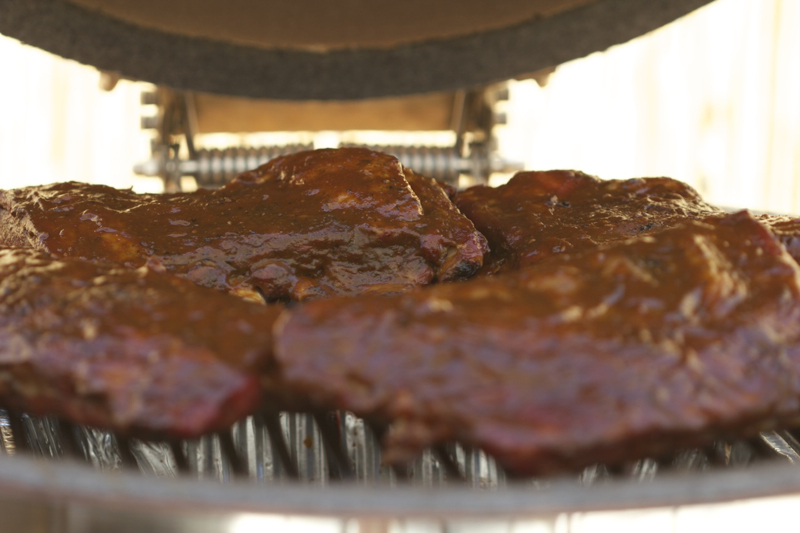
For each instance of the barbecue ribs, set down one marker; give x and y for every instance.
(539, 214)
(622, 351)
(786, 229)
(307, 225)
(140, 352)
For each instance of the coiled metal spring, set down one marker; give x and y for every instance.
(216, 167)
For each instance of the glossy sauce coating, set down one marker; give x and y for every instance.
(303, 226)
(540, 214)
(786, 229)
(616, 353)
(140, 352)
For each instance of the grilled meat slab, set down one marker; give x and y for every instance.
(540, 214)
(623, 351)
(786, 229)
(140, 352)
(307, 225)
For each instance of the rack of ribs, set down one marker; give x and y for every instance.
(540, 214)
(537, 215)
(786, 229)
(303, 226)
(625, 350)
(140, 352)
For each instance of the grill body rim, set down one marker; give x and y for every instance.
(437, 65)
(68, 482)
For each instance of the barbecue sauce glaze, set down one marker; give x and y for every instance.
(627, 350)
(540, 214)
(304, 226)
(140, 352)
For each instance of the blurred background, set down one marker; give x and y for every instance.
(713, 100)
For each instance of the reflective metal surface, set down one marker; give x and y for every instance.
(48, 488)
(87, 500)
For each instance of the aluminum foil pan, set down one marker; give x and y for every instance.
(98, 489)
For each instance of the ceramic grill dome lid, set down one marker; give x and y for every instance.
(313, 49)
